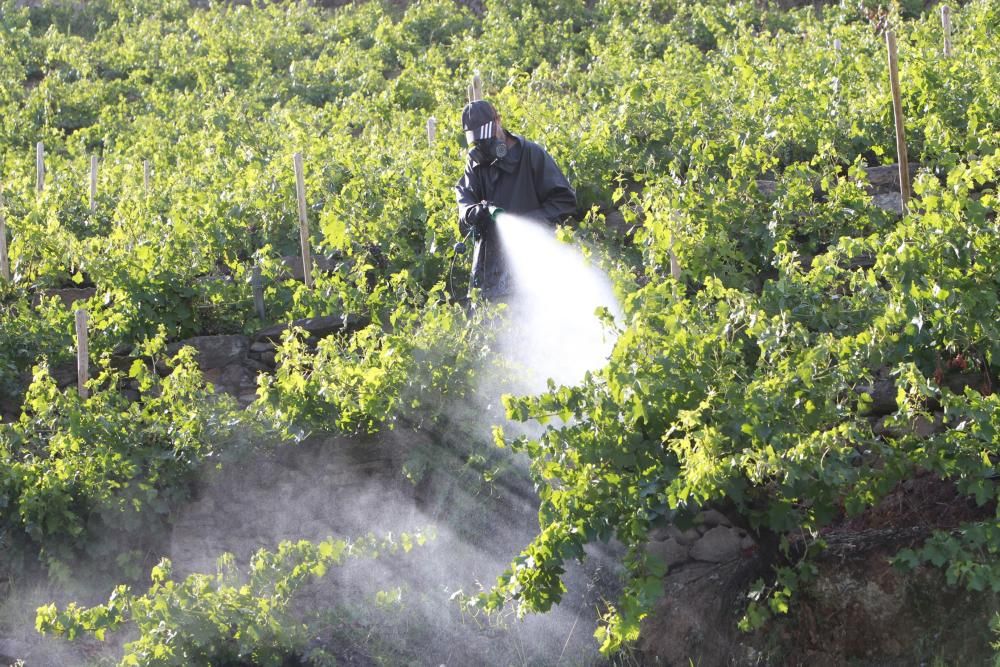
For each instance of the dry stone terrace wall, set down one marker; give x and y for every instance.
(882, 185)
(858, 609)
(712, 539)
(230, 362)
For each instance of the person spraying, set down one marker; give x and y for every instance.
(504, 172)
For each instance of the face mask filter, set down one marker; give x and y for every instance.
(488, 151)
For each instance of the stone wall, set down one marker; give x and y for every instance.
(858, 610)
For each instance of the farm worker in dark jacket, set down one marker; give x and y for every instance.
(510, 173)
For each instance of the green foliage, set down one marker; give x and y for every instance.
(995, 624)
(770, 599)
(407, 368)
(761, 401)
(968, 555)
(232, 617)
(74, 469)
(748, 383)
(27, 334)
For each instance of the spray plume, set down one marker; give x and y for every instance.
(328, 486)
(554, 332)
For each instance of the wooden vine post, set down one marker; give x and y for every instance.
(477, 86)
(837, 46)
(82, 369)
(257, 287)
(4, 261)
(300, 188)
(675, 265)
(93, 183)
(431, 130)
(40, 166)
(946, 29)
(897, 111)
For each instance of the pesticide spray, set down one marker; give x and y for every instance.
(553, 329)
(316, 489)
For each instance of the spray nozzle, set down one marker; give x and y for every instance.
(459, 248)
(495, 211)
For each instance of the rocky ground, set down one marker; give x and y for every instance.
(858, 611)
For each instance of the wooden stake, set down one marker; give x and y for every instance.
(300, 187)
(145, 176)
(431, 130)
(257, 286)
(40, 166)
(477, 86)
(93, 183)
(4, 261)
(897, 111)
(946, 29)
(471, 93)
(82, 370)
(675, 265)
(836, 55)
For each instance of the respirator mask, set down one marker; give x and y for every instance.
(486, 151)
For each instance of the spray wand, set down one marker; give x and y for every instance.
(477, 255)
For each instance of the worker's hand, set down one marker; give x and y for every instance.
(480, 218)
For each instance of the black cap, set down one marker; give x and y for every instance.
(478, 121)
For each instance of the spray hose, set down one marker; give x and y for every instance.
(458, 248)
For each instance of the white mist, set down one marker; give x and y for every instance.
(553, 330)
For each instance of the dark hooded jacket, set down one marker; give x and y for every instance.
(526, 182)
